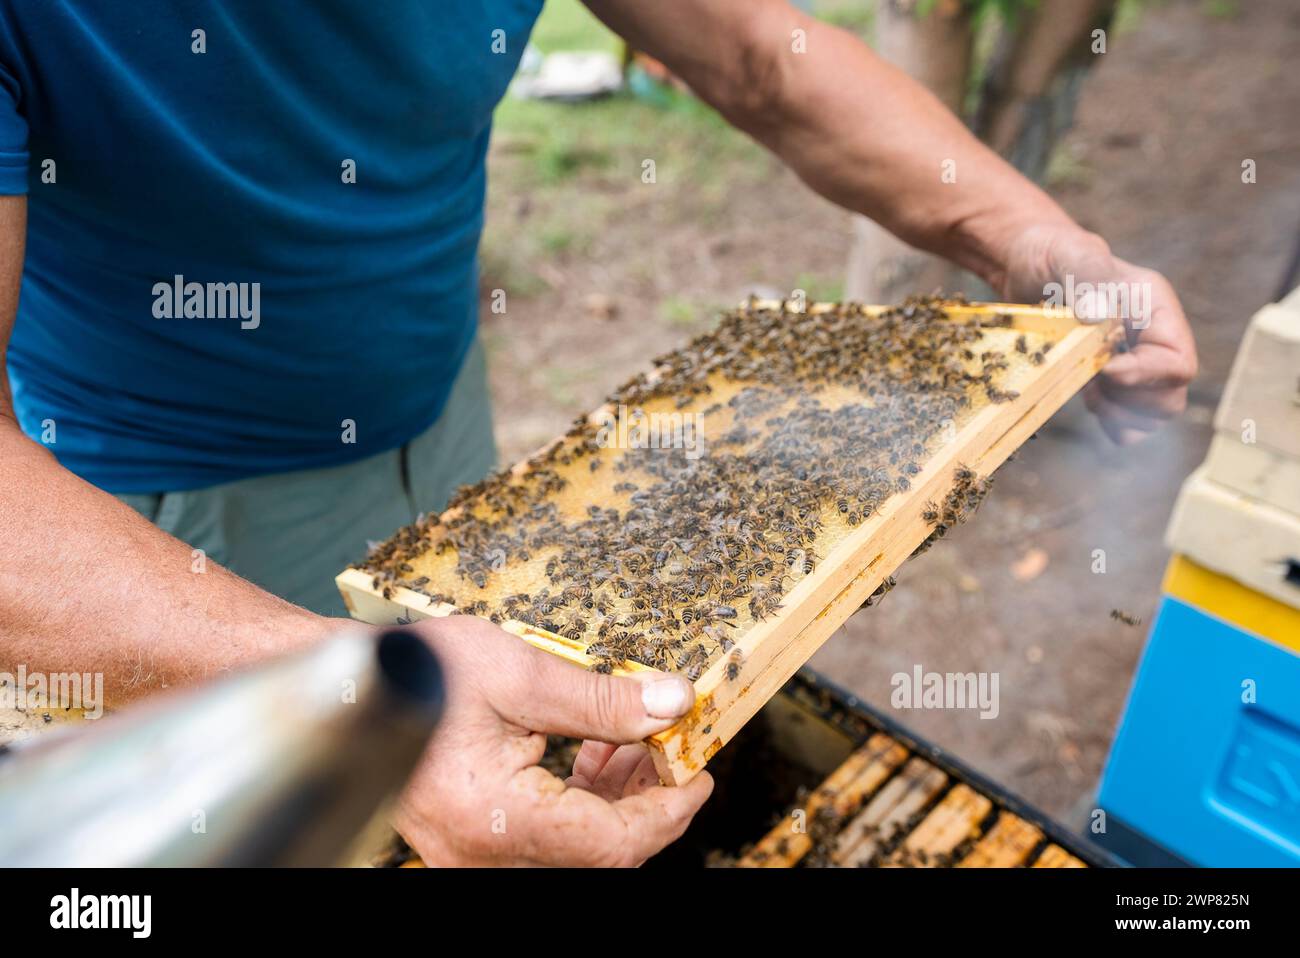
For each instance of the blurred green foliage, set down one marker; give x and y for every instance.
(568, 25)
(1006, 9)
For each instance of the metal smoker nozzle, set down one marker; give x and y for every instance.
(281, 765)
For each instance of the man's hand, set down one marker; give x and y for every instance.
(479, 796)
(1143, 386)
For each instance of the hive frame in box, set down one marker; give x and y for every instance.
(771, 651)
(828, 702)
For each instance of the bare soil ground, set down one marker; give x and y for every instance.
(1154, 164)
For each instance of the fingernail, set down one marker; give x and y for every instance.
(667, 697)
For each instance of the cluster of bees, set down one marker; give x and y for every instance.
(822, 416)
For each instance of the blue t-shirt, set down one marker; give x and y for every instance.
(207, 295)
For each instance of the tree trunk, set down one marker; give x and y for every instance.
(1032, 84)
(936, 50)
(1026, 105)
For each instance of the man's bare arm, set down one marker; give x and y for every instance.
(856, 129)
(870, 138)
(87, 584)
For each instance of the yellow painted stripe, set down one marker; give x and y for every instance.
(1228, 599)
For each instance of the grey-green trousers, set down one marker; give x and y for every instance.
(292, 533)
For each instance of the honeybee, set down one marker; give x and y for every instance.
(1127, 618)
(733, 665)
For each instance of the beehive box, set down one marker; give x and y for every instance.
(1262, 396)
(725, 512)
(1239, 513)
(874, 795)
(1256, 445)
(1253, 542)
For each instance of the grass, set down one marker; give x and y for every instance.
(578, 167)
(558, 239)
(1222, 9)
(853, 15)
(613, 135)
(820, 289)
(1065, 168)
(569, 25)
(689, 315)
(678, 312)
(561, 383)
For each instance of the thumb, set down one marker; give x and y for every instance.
(554, 696)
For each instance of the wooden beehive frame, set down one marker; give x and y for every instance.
(881, 807)
(771, 651)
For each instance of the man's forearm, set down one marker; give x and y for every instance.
(867, 136)
(856, 129)
(89, 585)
